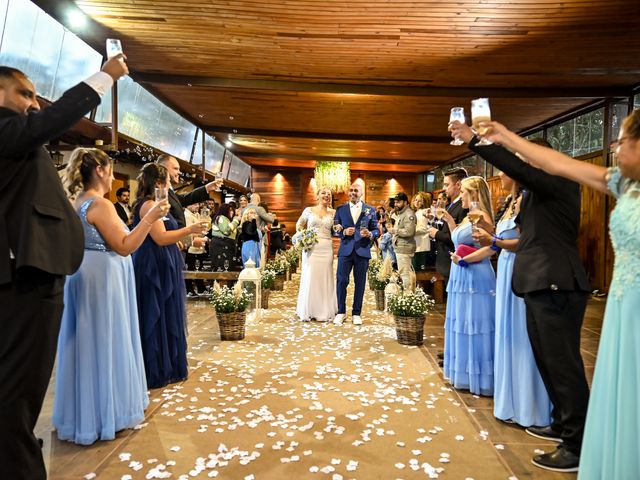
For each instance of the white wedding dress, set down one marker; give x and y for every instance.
(317, 295)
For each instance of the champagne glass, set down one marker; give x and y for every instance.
(205, 216)
(475, 214)
(457, 113)
(161, 194)
(226, 265)
(337, 228)
(363, 227)
(480, 112)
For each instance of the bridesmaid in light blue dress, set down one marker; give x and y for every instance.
(610, 448)
(100, 380)
(520, 395)
(470, 315)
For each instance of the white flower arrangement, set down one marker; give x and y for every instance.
(228, 300)
(411, 304)
(305, 239)
(279, 264)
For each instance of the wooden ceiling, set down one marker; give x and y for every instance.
(292, 82)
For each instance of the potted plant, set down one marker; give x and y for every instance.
(279, 266)
(230, 305)
(379, 275)
(267, 282)
(409, 310)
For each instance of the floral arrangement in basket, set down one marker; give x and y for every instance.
(229, 300)
(279, 264)
(268, 279)
(305, 239)
(411, 304)
(292, 255)
(382, 274)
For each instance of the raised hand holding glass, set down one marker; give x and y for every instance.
(457, 114)
(480, 112)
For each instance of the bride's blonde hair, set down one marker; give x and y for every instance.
(322, 189)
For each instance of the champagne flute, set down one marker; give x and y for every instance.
(337, 228)
(363, 227)
(226, 265)
(480, 112)
(161, 194)
(218, 176)
(457, 114)
(475, 214)
(205, 216)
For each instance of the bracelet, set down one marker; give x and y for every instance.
(463, 263)
(494, 246)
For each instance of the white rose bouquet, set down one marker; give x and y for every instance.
(305, 239)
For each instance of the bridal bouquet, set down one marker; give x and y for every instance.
(305, 239)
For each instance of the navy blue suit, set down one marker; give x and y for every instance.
(354, 254)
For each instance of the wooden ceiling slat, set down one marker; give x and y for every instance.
(279, 77)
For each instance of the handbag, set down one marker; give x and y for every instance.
(464, 250)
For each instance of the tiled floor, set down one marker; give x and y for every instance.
(509, 445)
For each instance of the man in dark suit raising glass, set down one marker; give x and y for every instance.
(41, 241)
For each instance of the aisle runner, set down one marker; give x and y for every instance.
(308, 400)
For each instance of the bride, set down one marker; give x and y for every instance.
(317, 296)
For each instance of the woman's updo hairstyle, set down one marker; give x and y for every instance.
(82, 163)
(148, 179)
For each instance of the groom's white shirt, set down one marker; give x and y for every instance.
(356, 210)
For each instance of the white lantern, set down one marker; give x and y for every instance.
(250, 279)
(390, 290)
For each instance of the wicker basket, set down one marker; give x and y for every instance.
(265, 298)
(278, 283)
(410, 330)
(232, 325)
(379, 294)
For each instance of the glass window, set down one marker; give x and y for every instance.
(144, 117)
(213, 154)
(77, 62)
(538, 134)
(31, 43)
(3, 14)
(619, 111)
(239, 171)
(579, 135)
(636, 101)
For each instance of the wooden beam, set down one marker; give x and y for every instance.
(384, 90)
(247, 156)
(257, 132)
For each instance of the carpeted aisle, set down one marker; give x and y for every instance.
(305, 400)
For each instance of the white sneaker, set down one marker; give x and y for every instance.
(339, 319)
(357, 320)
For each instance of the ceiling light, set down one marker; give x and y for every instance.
(77, 19)
(228, 144)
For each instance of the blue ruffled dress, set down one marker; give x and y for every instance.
(469, 322)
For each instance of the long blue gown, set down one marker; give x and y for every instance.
(100, 380)
(161, 308)
(611, 445)
(469, 322)
(520, 394)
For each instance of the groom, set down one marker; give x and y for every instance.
(358, 226)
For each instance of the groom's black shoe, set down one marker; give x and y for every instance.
(561, 460)
(545, 433)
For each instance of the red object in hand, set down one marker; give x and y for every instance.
(464, 250)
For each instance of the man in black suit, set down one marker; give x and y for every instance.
(549, 275)
(179, 202)
(122, 205)
(41, 241)
(451, 186)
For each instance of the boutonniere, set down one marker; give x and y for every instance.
(367, 211)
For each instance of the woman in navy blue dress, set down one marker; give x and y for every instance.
(160, 288)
